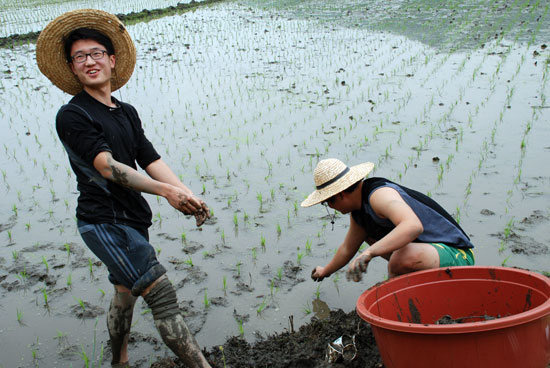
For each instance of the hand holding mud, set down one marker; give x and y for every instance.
(202, 214)
(189, 204)
(358, 267)
(316, 274)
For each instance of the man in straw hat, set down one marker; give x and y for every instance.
(407, 228)
(89, 54)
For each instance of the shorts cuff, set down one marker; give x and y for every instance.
(147, 279)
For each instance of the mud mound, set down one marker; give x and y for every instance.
(303, 348)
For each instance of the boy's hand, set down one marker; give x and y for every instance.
(202, 214)
(358, 267)
(316, 274)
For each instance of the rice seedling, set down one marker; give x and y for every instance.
(222, 235)
(91, 268)
(254, 255)
(206, 301)
(183, 237)
(280, 273)
(318, 292)
(45, 295)
(45, 262)
(69, 280)
(306, 309)
(224, 284)
(262, 241)
(508, 228)
(299, 257)
(279, 231)
(189, 261)
(19, 315)
(68, 250)
(235, 220)
(15, 255)
(241, 326)
(223, 356)
(308, 246)
(262, 306)
(80, 303)
(238, 268)
(98, 362)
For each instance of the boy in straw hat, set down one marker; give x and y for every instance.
(89, 54)
(407, 228)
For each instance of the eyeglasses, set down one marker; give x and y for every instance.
(82, 57)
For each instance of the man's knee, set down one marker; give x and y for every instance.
(162, 300)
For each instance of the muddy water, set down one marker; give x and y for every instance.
(242, 100)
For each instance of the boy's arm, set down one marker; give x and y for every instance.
(160, 171)
(354, 238)
(387, 203)
(126, 176)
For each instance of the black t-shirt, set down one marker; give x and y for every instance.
(87, 127)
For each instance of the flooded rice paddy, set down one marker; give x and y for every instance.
(242, 99)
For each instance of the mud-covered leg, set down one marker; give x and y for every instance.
(170, 324)
(119, 321)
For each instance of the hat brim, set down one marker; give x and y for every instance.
(356, 173)
(50, 53)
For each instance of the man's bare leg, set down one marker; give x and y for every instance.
(119, 321)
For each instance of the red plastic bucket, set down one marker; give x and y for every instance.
(403, 312)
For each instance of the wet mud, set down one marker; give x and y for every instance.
(305, 347)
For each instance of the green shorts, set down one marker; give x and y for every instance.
(450, 256)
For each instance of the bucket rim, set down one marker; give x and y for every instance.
(466, 327)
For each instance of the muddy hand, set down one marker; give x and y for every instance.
(202, 214)
(315, 276)
(357, 268)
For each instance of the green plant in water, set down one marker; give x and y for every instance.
(19, 315)
(189, 261)
(224, 284)
(241, 326)
(238, 267)
(183, 237)
(262, 306)
(280, 273)
(206, 301)
(69, 279)
(262, 241)
(68, 249)
(90, 267)
(81, 303)
(279, 231)
(84, 356)
(308, 246)
(318, 292)
(45, 294)
(299, 257)
(235, 220)
(306, 309)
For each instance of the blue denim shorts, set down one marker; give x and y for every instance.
(127, 253)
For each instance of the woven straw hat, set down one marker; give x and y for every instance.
(331, 176)
(50, 53)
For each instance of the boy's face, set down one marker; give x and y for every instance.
(92, 73)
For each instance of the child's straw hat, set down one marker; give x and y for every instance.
(331, 176)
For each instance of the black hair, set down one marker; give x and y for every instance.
(87, 34)
(352, 187)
